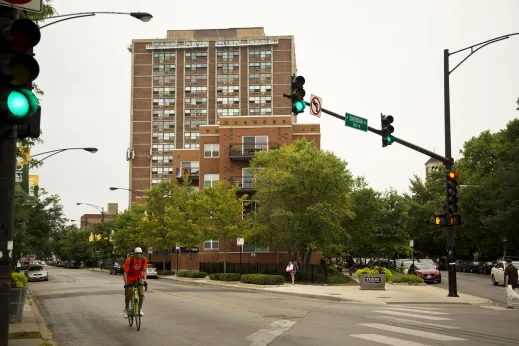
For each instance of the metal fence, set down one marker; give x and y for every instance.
(307, 272)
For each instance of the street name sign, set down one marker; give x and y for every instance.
(27, 5)
(356, 122)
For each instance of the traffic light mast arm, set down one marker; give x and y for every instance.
(397, 140)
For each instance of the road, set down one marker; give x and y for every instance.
(84, 307)
(477, 285)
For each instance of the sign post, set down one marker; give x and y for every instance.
(240, 242)
(27, 5)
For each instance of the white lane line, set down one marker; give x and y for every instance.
(424, 317)
(420, 311)
(404, 320)
(387, 340)
(418, 307)
(495, 308)
(263, 337)
(414, 332)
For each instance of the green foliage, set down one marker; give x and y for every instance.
(263, 279)
(407, 278)
(375, 270)
(339, 278)
(225, 276)
(18, 280)
(193, 275)
(129, 226)
(166, 272)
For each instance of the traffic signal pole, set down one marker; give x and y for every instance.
(7, 186)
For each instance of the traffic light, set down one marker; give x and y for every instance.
(445, 220)
(298, 94)
(452, 192)
(440, 220)
(18, 104)
(387, 130)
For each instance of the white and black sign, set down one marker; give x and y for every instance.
(373, 279)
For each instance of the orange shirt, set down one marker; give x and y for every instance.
(135, 272)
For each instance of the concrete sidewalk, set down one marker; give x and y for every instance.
(393, 294)
(32, 322)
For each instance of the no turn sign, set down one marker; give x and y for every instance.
(315, 105)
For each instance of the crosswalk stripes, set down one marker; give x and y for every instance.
(416, 317)
(492, 307)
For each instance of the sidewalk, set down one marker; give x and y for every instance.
(32, 325)
(393, 294)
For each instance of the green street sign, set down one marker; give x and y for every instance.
(356, 122)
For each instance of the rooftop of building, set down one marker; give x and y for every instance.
(224, 33)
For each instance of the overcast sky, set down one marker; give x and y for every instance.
(361, 57)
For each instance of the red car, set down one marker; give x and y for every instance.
(427, 271)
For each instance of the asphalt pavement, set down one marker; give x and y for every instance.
(478, 285)
(84, 307)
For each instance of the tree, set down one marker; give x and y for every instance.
(222, 211)
(76, 245)
(304, 193)
(129, 229)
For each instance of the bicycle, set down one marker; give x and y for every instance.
(135, 311)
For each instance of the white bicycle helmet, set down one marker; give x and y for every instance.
(137, 250)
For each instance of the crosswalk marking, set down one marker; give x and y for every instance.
(386, 340)
(425, 317)
(417, 311)
(404, 320)
(427, 335)
(419, 308)
(495, 308)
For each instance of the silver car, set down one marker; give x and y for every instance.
(37, 272)
(151, 271)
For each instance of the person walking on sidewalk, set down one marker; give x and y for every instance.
(511, 278)
(292, 268)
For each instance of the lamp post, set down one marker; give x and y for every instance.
(142, 16)
(453, 290)
(123, 188)
(58, 151)
(101, 209)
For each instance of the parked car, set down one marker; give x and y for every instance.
(37, 272)
(427, 271)
(116, 269)
(497, 274)
(471, 267)
(485, 267)
(152, 271)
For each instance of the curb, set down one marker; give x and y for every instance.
(42, 324)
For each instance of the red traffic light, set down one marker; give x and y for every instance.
(298, 82)
(453, 175)
(21, 35)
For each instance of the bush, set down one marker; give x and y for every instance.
(263, 279)
(193, 275)
(407, 278)
(339, 279)
(375, 270)
(226, 276)
(18, 280)
(166, 272)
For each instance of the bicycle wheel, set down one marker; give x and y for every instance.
(130, 314)
(137, 315)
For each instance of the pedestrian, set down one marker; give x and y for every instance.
(511, 277)
(292, 268)
(350, 263)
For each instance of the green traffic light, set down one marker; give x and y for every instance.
(300, 106)
(17, 104)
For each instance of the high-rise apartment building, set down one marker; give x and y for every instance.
(204, 100)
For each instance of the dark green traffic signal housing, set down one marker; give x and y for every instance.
(298, 94)
(452, 192)
(387, 129)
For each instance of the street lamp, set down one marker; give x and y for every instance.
(58, 151)
(142, 16)
(101, 209)
(448, 166)
(123, 188)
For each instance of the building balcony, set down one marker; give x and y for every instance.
(192, 174)
(244, 182)
(246, 151)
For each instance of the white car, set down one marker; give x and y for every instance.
(498, 272)
(37, 272)
(152, 271)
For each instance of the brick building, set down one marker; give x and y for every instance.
(203, 101)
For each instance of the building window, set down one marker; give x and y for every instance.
(228, 100)
(194, 124)
(196, 89)
(163, 136)
(196, 101)
(192, 146)
(195, 112)
(211, 179)
(164, 91)
(260, 66)
(211, 150)
(260, 99)
(211, 245)
(163, 124)
(260, 54)
(164, 68)
(255, 143)
(163, 112)
(163, 80)
(227, 54)
(260, 88)
(164, 102)
(194, 166)
(196, 67)
(260, 111)
(161, 148)
(227, 78)
(161, 159)
(227, 67)
(192, 135)
(196, 78)
(261, 77)
(164, 56)
(162, 170)
(228, 88)
(156, 181)
(228, 112)
(196, 55)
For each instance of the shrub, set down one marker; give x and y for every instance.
(193, 275)
(407, 278)
(263, 279)
(166, 272)
(18, 280)
(226, 276)
(375, 270)
(214, 276)
(339, 279)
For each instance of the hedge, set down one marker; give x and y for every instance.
(18, 280)
(339, 279)
(407, 278)
(375, 270)
(193, 275)
(263, 279)
(166, 272)
(225, 277)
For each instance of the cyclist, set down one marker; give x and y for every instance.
(134, 271)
